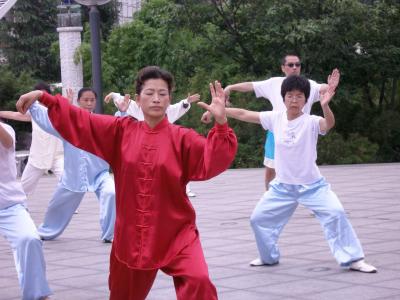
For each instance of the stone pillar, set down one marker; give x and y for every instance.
(69, 30)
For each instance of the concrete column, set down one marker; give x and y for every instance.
(69, 30)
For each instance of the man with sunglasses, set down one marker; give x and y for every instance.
(271, 89)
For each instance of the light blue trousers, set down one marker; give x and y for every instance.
(278, 204)
(19, 230)
(64, 203)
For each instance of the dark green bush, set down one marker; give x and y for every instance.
(334, 149)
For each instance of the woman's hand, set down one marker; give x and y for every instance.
(26, 100)
(217, 106)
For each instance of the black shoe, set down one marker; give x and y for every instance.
(105, 241)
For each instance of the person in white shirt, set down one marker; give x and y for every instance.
(46, 151)
(16, 224)
(271, 89)
(174, 111)
(298, 179)
(130, 107)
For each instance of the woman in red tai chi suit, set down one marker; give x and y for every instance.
(152, 160)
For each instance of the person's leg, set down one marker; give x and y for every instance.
(106, 195)
(30, 178)
(269, 176)
(339, 233)
(128, 284)
(59, 212)
(58, 166)
(18, 228)
(269, 218)
(269, 156)
(190, 273)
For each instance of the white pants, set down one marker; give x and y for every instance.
(31, 175)
(19, 230)
(278, 204)
(64, 203)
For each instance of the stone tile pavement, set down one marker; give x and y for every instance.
(77, 262)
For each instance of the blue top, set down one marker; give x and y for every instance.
(83, 171)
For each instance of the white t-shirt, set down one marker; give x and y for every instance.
(11, 191)
(295, 146)
(271, 90)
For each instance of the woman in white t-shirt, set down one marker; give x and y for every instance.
(17, 226)
(298, 179)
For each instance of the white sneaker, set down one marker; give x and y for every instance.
(190, 194)
(362, 266)
(258, 262)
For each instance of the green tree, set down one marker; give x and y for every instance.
(11, 87)
(26, 36)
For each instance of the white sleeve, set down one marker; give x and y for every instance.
(266, 120)
(117, 98)
(177, 110)
(271, 90)
(135, 111)
(262, 88)
(315, 125)
(314, 91)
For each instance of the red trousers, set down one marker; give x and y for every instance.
(188, 269)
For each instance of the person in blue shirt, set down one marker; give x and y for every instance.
(83, 172)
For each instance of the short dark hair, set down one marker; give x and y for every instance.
(43, 86)
(86, 89)
(295, 82)
(153, 72)
(283, 59)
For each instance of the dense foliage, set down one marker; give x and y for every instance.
(235, 41)
(26, 36)
(11, 87)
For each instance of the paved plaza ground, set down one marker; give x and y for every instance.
(77, 262)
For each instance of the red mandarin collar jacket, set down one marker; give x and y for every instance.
(155, 219)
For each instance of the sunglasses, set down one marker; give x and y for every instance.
(291, 65)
